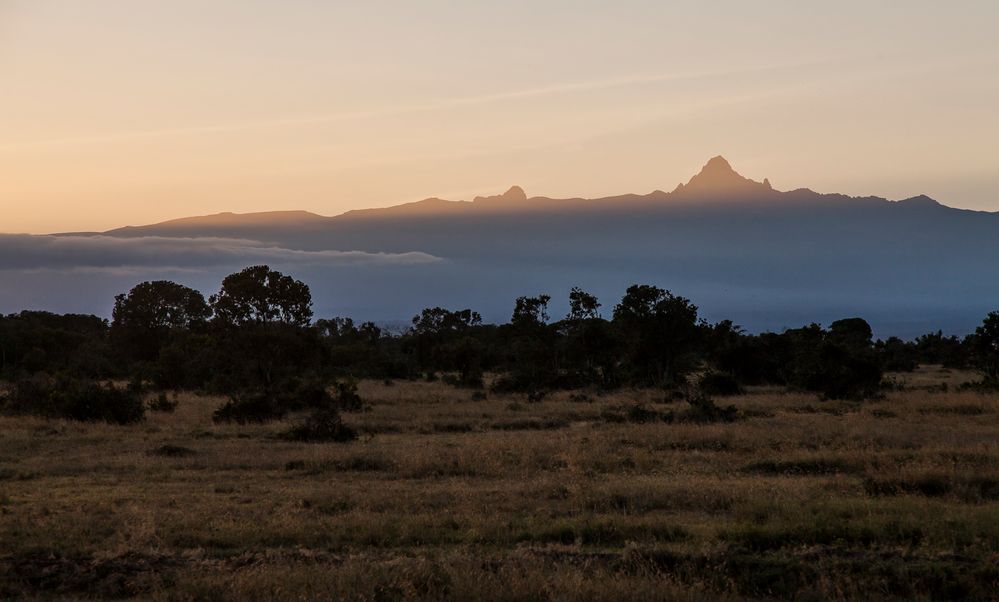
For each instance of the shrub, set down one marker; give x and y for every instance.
(703, 409)
(641, 414)
(172, 451)
(258, 407)
(163, 404)
(322, 425)
(289, 396)
(75, 399)
(347, 399)
(720, 383)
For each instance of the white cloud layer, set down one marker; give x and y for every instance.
(24, 252)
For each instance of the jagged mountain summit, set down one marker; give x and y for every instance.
(718, 179)
(736, 246)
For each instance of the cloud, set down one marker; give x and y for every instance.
(110, 255)
(434, 105)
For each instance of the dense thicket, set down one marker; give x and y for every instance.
(256, 342)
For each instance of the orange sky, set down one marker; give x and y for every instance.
(133, 111)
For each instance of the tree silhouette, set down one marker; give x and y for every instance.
(530, 311)
(582, 305)
(661, 331)
(144, 318)
(260, 294)
(985, 346)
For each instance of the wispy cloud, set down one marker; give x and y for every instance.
(429, 106)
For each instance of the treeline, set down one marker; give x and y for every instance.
(256, 341)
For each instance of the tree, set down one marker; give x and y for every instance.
(587, 345)
(144, 318)
(661, 331)
(441, 341)
(437, 320)
(530, 346)
(35, 341)
(935, 348)
(853, 333)
(582, 305)
(985, 347)
(530, 311)
(259, 294)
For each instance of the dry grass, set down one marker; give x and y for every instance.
(449, 497)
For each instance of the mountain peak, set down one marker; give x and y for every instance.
(718, 163)
(513, 194)
(718, 178)
(922, 201)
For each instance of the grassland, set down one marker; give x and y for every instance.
(451, 496)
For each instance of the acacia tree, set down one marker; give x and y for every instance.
(582, 305)
(437, 320)
(530, 312)
(263, 342)
(588, 345)
(985, 347)
(259, 294)
(442, 340)
(661, 332)
(144, 318)
(531, 352)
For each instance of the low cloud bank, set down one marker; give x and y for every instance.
(105, 254)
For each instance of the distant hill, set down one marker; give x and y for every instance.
(738, 247)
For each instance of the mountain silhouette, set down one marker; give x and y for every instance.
(736, 246)
(717, 179)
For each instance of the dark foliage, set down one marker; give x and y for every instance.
(260, 294)
(291, 395)
(146, 318)
(663, 334)
(703, 409)
(322, 426)
(719, 383)
(74, 399)
(162, 403)
(255, 343)
(37, 341)
(250, 408)
(985, 348)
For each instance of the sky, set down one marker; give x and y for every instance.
(119, 112)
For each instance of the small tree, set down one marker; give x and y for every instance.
(532, 357)
(588, 346)
(985, 347)
(582, 305)
(530, 312)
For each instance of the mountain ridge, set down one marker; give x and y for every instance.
(716, 182)
(738, 247)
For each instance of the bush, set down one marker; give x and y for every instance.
(163, 404)
(641, 414)
(75, 399)
(347, 399)
(289, 396)
(703, 409)
(322, 425)
(720, 383)
(258, 407)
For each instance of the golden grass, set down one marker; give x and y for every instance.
(449, 497)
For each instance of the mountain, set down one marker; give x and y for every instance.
(738, 247)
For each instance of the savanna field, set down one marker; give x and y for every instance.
(449, 494)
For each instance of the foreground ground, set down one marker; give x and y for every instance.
(574, 497)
